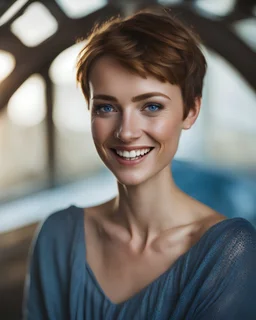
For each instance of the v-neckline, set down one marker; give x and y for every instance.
(156, 280)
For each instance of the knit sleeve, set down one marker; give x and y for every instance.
(230, 289)
(46, 280)
(34, 302)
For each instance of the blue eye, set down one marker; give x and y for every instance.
(104, 108)
(153, 107)
(107, 108)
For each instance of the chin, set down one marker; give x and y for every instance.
(138, 175)
(130, 179)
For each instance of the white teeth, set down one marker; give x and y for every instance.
(132, 153)
(126, 154)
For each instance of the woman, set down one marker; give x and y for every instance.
(152, 252)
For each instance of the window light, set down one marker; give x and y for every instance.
(70, 110)
(27, 106)
(7, 64)
(63, 68)
(246, 29)
(215, 7)
(232, 105)
(13, 9)
(80, 8)
(35, 25)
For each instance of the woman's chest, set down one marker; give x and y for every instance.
(122, 275)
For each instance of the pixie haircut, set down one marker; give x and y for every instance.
(148, 43)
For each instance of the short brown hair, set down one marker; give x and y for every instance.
(148, 42)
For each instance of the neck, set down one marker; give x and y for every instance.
(150, 207)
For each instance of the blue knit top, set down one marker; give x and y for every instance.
(214, 279)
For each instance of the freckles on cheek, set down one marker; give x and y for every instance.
(96, 130)
(165, 130)
(100, 130)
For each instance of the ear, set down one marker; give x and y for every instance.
(192, 115)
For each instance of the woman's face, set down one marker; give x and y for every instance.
(136, 123)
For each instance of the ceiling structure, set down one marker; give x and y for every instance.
(217, 32)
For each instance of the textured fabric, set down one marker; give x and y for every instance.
(214, 279)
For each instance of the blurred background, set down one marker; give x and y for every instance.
(47, 157)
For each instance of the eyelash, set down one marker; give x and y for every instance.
(97, 108)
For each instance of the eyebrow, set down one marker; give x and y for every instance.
(134, 99)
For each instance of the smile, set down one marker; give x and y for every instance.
(131, 155)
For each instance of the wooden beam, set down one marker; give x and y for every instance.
(32, 60)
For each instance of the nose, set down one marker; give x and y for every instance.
(128, 128)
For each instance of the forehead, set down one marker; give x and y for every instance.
(108, 76)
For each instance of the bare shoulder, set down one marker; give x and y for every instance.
(214, 218)
(201, 216)
(211, 218)
(204, 217)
